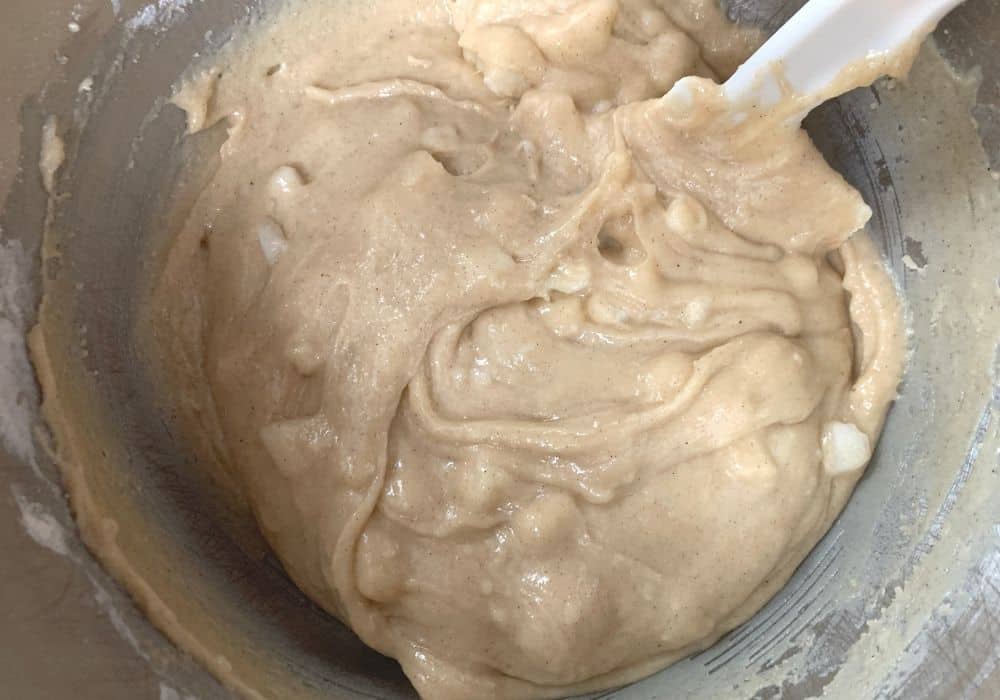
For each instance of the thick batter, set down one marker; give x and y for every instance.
(537, 380)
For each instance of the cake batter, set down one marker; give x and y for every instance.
(537, 379)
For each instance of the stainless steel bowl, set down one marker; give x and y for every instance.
(898, 601)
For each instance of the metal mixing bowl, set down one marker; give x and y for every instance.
(897, 601)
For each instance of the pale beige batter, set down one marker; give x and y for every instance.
(538, 381)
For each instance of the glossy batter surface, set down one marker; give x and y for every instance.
(537, 380)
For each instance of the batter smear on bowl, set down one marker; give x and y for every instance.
(535, 379)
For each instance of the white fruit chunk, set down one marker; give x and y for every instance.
(845, 448)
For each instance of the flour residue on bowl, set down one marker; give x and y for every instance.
(52, 153)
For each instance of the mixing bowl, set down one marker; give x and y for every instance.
(897, 601)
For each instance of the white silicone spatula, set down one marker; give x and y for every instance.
(826, 37)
